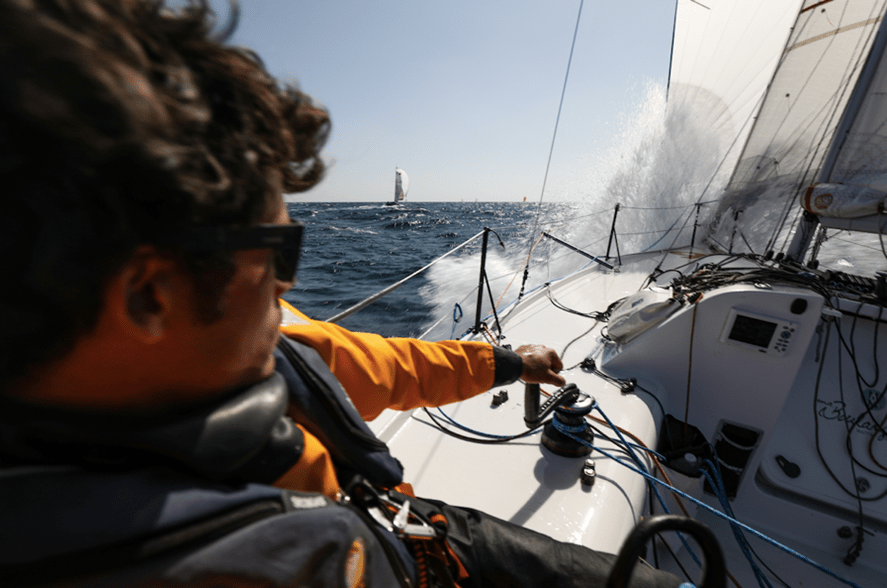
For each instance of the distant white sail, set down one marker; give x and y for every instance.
(401, 184)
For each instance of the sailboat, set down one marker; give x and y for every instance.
(401, 187)
(722, 372)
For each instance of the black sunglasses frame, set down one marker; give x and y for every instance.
(285, 240)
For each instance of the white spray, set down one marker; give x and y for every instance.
(658, 167)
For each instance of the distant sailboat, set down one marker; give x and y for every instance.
(401, 186)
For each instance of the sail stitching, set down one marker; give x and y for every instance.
(835, 32)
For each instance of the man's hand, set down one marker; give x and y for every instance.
(541, 365)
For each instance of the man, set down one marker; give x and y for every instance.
(154, 427)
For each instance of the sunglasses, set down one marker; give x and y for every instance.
(285, 240)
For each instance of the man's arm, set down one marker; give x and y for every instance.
(380, 373)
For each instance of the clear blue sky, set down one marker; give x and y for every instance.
(462, 94)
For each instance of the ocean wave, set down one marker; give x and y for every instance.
(352, 230)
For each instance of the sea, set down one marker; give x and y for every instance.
(352, 250)
(640, 194)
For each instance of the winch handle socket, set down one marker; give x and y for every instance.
(534, 413)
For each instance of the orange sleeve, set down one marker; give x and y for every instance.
(380, 373)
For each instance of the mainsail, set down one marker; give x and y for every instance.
(824, 57)
(401, 184)
(823, 117)
(724, 55)
(795, 90)
(854, 179)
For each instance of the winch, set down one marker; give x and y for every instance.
(568, 408)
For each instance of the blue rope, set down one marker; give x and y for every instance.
(560, 426)
(717, 485)
(640, 464)
(570, 428)
(478, 433)
(732, 521)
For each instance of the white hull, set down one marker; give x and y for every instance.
(767, 391)
(775, 366)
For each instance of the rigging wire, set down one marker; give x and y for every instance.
(367, 301)
(834, 238)
(557, 120)
(551, 258)
(480, 437)
(624, 207)
(552, 223)
(625, 447)
(819, 152)
(525, 266)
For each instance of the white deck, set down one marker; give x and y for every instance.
(770, 392)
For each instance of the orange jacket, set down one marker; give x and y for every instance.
(380, 373)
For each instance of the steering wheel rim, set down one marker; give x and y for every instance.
(714, 571)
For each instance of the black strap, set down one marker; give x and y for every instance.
(320, 404)
(108, 558)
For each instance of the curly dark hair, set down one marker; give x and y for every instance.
(124, 122)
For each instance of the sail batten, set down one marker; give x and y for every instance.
(808, 94)
(822, 120)
(837, 31)
(857, 102)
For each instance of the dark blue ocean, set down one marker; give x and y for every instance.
(353, 250)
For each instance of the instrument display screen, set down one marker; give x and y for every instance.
(752, 331)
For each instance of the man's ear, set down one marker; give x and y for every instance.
(143, 295)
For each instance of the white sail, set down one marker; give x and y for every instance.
(813, 95)
(856, 172)
(401, 184)
(724, 55)
(861, 155)
(813, 83)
